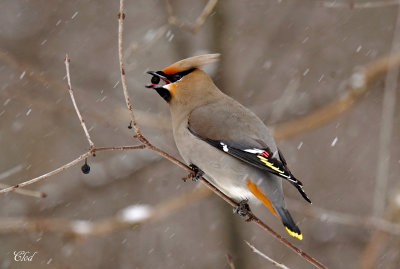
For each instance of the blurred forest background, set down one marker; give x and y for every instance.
(283, 59)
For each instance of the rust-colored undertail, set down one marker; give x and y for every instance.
(282, 214)
(261, 196)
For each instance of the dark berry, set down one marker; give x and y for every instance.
(85, 168)
(155, 80)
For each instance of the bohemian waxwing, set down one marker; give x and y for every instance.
(221, 138)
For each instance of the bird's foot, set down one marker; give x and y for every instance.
(243, 208)
(195, 175)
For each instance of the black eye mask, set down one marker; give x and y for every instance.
(160, 75)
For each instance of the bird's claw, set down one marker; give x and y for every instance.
(196, 173)
(243, 208)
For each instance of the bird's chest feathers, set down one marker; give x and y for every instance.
(186, 143)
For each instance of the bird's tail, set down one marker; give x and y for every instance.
(289, 223)
(279, 212)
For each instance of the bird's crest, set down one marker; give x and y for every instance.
(190, 63)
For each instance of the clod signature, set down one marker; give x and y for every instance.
(23, 256)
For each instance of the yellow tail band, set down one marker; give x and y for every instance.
(294, 234)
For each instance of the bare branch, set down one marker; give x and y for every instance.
(386, 130)
(66, 166)
(80, 158)
(358, 91)
(11, 171)
(148, 145)
(208, 9)
(359, 4)
(286, 242)
(49, 174)
(345, 219)
(127, 218)
(358, 85)
(201, 19)
(119, 148)
(71, 93)
(121, 17)
(265, 227)
(26, 192)
(16, 169)
(229, 260)
(365, 76)
(380, 241)
(277, 264)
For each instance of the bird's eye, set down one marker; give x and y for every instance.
(155, 80)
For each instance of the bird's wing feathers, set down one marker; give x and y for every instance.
(237, 132)
(221, 131)
(229, 121)
(258, 157)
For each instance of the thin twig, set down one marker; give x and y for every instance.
(66, 166)
(331, 216)
(80, 158)
(229, 260)
(148, 145)
(253, 218)
(358, 85)
(287, 243)
(144, 118)
(255, 250)
(379, 68)
(327, 215)
(119, 148)
(127, 218)
(262, 225)
(16, 169)
(11, 171)
(49, 174)
(201, 19)
(26, 192)
(208, 9)
(121, 17)
(380, 242)
(364, 77)
(67, 61)
(386, 128)
(165, 155)
(359, 4)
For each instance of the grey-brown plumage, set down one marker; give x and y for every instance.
(227, 141)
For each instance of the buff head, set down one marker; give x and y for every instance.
(166, 81)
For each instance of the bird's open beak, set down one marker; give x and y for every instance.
(161, 89)
(155, 80)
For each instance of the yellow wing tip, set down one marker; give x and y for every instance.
(294, 234)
